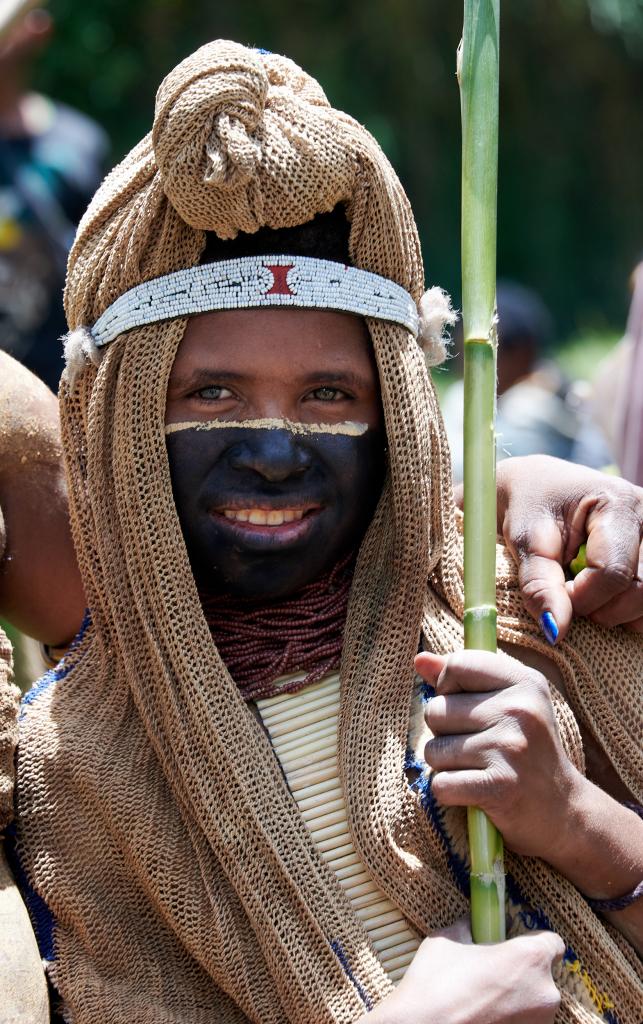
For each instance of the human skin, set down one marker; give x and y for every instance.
(236, 367)
(507, 983)
(25, 39)
(41, 591)
(496, 746)
(298, 429)
(282, 339)
(544, 507)
(288, 366)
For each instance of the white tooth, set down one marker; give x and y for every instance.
(241, 515)
(275, 517)
(289, 515)
(229, 513)
(298, 513)
(258, 516)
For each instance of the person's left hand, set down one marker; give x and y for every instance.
(496, 746)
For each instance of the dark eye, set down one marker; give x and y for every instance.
(214, 393)
(328, 394)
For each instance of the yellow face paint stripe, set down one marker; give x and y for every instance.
(347, 428)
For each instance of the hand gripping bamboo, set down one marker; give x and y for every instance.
(478, 78)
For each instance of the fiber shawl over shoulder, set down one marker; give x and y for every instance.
(154, 820)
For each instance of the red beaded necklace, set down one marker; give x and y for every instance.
(300, 633)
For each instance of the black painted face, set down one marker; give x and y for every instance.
(276, 446)
(266, 510)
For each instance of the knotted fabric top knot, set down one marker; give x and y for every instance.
(206, 133)
(210, 133)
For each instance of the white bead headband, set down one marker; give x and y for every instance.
(253, 281)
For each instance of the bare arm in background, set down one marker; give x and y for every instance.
(40, 587)
(546, 509)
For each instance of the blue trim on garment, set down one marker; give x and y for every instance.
(535, 919)
(56, 673)
(42, 919)
(422, 785)
(339, 952)
(264, 53)
(426, 691)
(532, 918)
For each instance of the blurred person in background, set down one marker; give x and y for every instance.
(51, 161)
(540, 411)
(618, 397)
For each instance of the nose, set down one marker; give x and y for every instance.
(275, 455)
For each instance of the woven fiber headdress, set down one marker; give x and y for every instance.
(154, 819)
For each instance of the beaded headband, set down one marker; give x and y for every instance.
(253, 281)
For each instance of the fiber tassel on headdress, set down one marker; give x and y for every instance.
(79, 351)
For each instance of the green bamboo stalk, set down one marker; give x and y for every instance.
(478, 63)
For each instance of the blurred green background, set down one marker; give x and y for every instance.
(571, 153)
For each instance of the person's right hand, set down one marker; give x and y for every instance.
(452, 981)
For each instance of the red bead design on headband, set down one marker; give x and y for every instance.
(280, 284)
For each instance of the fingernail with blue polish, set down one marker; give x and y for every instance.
(549, 627)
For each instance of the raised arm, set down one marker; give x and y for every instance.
(546, 509)
(40, 588)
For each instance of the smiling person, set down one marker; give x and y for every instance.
(275, 430)
(236, 798)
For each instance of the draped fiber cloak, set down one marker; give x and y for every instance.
(153, 819)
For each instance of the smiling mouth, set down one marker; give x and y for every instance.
(264, 517)
(270, 517)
